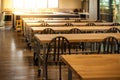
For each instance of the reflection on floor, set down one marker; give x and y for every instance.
(16, 60)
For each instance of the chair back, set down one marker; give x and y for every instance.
(74, 31)
(113, 30)
(90, 24)
(43, 24)
(77, 20)
(47, 31)
(68, 24)
(57, 46)
(19, 25)
(115, 24)
(109, 45)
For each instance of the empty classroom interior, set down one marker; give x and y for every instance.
(59, 39)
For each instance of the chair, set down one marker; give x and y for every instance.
(115, 24)
(57, 46)
(119, 46)
(86, 47)
(82, 45)
(44, 24)
(75, 45)
(109, 45)
(113, 30)
(75, 30)
(67, 18)
(77, 20)
(90, 24)
(47, 31)
(68, 24)
(18, 25)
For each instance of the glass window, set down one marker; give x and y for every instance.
(110, 10)
(17, 4)
(29, 3)
(52, 3)
(116, 10)
(42, 4)
(105, 11)
(35, 4)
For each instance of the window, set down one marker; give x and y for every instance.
(110, 10)
(52, 3)
(29, 3)
(42, 4)
(32, 4)
(18, 3)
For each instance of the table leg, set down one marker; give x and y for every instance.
(44, 55)
(69, 74)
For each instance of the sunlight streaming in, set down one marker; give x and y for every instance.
(35, 4)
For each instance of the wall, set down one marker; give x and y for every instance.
(93, 9)
(7, 4)
(0, 6)
(70, 4)
(0, 12)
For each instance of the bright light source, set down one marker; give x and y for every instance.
(35, 4)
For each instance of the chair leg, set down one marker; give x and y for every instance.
(34, 59)
(39, 72)
(46, 72)
(60, 71)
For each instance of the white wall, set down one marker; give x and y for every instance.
(93, 9)
(70, 4)
(0, 6)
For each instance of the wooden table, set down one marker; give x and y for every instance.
(48, 21)
(39, 24)
(82, 28)
(96, 23)
(62, 23)
(43, 15)
(44, 39)
(93, 67)
(58, 23)
(56, 19)
(85, 29)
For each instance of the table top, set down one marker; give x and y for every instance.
(49, 21)
(39, 24)
(83, 28)
(56, 19)
(43, 13)
(62, 23)
(46, 38)
(95, 66)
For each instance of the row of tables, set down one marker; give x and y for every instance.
(44, 39)
(37, 22)
(93, 67)
(61, 30)
(59, 23)
(87, 67)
